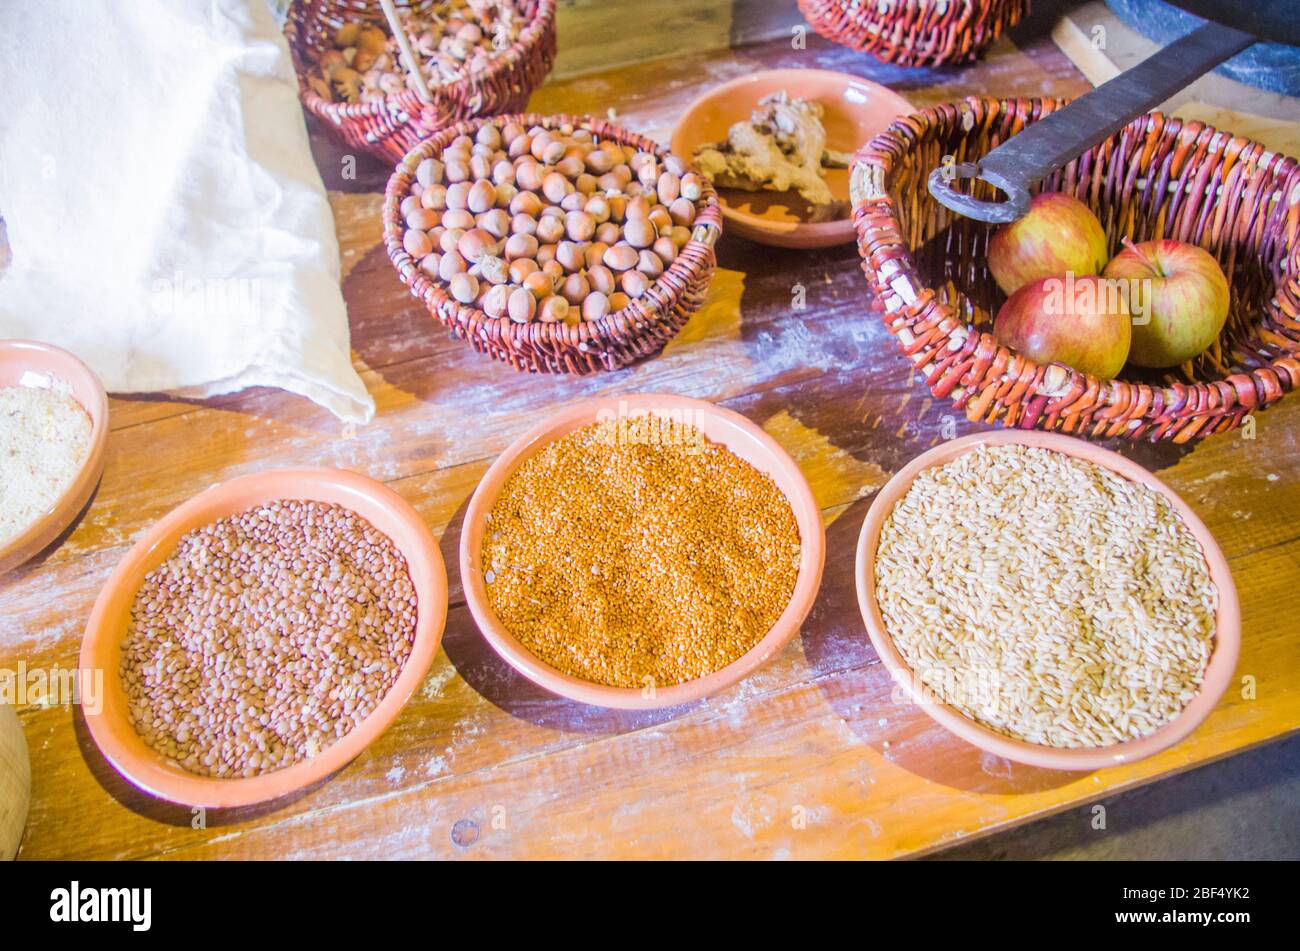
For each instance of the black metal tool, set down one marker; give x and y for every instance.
(1057, 139)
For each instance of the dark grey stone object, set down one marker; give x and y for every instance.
(1271, 66)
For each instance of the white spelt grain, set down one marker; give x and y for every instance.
(1077, 602)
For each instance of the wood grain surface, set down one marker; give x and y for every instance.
(817, 754)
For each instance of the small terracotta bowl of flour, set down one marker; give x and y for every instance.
(53, 430)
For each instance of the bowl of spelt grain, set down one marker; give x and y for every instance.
(261, 635)
(1047, 600)
(640, 552)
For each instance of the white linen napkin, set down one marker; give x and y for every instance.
(165, 219)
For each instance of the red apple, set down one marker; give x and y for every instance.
(1081, 322)
(1060, 235)
(1178, 297)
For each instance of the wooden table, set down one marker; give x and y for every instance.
(816, 755)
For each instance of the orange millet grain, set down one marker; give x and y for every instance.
(636, 553)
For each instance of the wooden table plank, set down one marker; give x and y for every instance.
(817, 754)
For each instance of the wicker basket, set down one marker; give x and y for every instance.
(1160, 177)
(638, 330)
(389, 129)
(915, 32)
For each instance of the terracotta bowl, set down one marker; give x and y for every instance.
(856, 110)
(732, 430)
(32, 363)
(1228, 623)
(100, 651)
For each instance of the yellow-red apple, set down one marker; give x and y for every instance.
(1081, 322)
(1178, 297)
(1060, 235)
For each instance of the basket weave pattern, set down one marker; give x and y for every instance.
(1159, 177)
(638, 330)
(915, 32)
(389, 129)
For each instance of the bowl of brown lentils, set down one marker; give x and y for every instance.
(553, 243)
(262, 634)
(642, 551)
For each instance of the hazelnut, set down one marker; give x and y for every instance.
(668, 187)
(520, 246)
(422, 219)
(621, 257)
(476, 243)
(459, 218)
(493, 269)
(555, 186)
(463, 287)
(539, 284)
(570, 255)
(434, 197)
(451, 265)
(650, 264)
(634, 283)
(682, 212)
(575, 288)
(553, 309)
(429, 172)
(417, 243)
(523, 224)
(640, 233)
(595, 306)
(482, 196)
(520, 268)
(496, 300)
(496, 223)
(601, 279)
(521, 306)
(579, 225)
(458, 196)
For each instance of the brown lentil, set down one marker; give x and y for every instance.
(265, 637)
(636, 552)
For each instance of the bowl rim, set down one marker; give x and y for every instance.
(812, 556)
(808, 234)
(1218, 673)
(147, 770)
(86, 387)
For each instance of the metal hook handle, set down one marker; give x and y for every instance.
(998, 212)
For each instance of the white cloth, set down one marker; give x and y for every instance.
(165, 219)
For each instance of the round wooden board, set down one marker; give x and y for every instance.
(15, 782)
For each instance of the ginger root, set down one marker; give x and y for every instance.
(782, 146)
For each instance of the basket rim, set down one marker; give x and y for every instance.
(1063, 392)
(937, 13)
(408, 102)
(865, 27)
(586, 336)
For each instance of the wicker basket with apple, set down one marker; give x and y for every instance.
(1152, 291)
